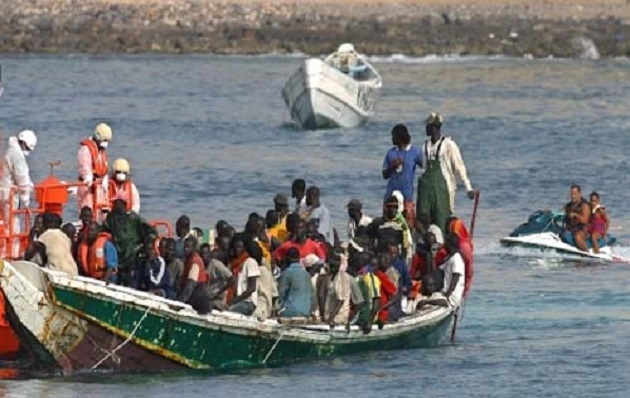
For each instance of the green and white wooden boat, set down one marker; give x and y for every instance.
(76, 323)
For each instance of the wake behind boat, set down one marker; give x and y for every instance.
(340, 91)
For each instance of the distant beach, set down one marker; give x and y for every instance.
(538, 28)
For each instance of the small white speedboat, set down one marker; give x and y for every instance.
(543, 231)
(320, 95)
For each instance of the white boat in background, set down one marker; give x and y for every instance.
(320, 95)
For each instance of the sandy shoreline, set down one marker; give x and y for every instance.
(561, 28)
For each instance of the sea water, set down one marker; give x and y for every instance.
(209, 137)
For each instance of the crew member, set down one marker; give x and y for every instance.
(93, 168)
(121, 186)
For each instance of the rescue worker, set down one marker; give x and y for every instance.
(441, 162)
(93, 168)
(121, 186)
(97, 254)
(16, 174)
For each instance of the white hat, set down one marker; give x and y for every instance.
(346, 48)
(28, 138)
(311, 260)
(103, 132)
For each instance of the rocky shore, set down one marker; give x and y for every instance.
(540, 28)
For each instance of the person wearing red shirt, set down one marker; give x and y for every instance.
(389, 291)
(299, 241)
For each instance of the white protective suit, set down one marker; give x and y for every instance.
(15, 172)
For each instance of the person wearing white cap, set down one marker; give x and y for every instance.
(346, 60)
(121, 186)
(442, 162)
(93, 168)
(16, 173)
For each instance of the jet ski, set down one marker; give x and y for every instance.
(544, 231)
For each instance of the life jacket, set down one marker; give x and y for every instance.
(99, 158)
(122, 191)
(92, 258)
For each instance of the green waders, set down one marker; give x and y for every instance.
(433, 195)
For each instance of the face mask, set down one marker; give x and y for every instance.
(104, 144)
(121, 177)
(26, 152)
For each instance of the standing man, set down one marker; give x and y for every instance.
(15, 173)
(319, 212)
(437, 185)
(399, 169)
(93, 168)
(298, 191)
(121, 186)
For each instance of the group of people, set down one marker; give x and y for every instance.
(99, 186)
(586, 222)
(289, 263)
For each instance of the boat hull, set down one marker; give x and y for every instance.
(319, 96)
(111, 327)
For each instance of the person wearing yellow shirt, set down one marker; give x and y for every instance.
(279, 231)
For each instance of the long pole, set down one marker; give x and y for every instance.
(472, 229)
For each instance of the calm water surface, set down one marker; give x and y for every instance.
(208, 136)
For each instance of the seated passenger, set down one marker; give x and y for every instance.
(392, 228)
(57, 245)
(247, 272)
(152, 274)
(299, 240)
(174, 265)
(71, 232)
(390, 294)
(454, 272)
(341, 294)
(128, 231)
(358, 223)
(424, 225)
(194, 279)
(86, 215)
(97, 254)
(598, 223)
(430, 293)
(577, 216)
(221, 278)
(295, 290)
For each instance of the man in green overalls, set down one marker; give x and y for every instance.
(437, 185)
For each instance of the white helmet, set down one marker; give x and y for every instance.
(122, 165)
(103, 132)
(28, 138)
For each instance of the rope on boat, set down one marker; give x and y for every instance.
(112, 354)
(273, 347)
